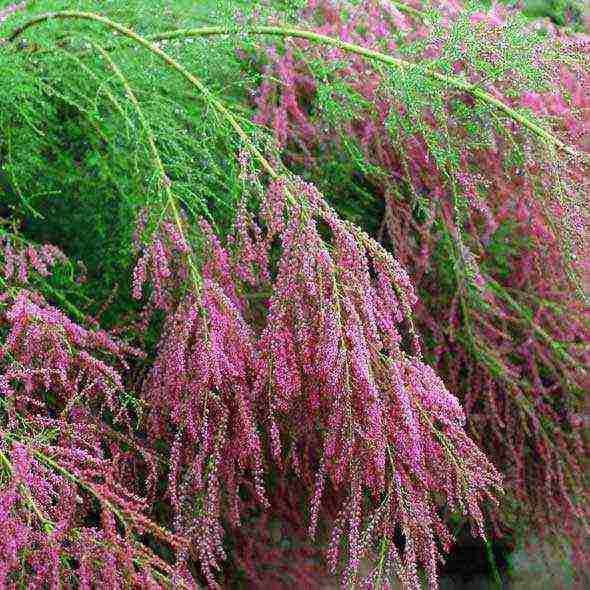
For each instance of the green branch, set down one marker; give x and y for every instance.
(409, 10)
(281, 31)
(157, 160)
(380, 57)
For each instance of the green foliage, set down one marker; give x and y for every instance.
(564, 13)
(75, 166)
(561, 12)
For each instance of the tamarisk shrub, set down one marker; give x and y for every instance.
(391, 435)
(202, 400)
(288, 351)
(489, 233)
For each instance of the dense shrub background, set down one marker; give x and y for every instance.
(273, 312)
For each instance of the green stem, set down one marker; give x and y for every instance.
(282, 31)
(409, 10)
(371, 54)
(492, 562)
(157, 160)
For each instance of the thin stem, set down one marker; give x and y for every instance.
(371, 54)
(143, 41)
(164, 180)
(409, 10)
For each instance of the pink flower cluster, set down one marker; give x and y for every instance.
(48, 502)
(20, 259)
(69, 510)
(337, 368)
(201, 398)
(162, 261)
(334, 374)
(45, 350)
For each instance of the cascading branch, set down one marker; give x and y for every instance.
(69, 509)
(201, 398)
(328, 374)
(335, 364)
